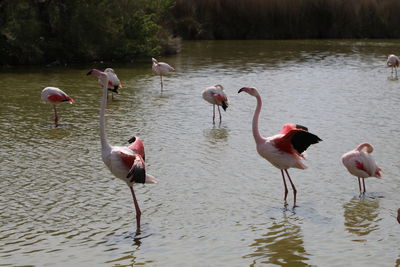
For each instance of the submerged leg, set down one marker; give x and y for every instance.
(161, 83)
(55, 116)
(293, 187)
(138, 212)
(220, 117)
(284, 183)
(213, 114)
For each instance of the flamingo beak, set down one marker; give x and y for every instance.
(243, 89)
(89, 73)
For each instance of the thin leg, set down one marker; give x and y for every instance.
(55, 116)
(112, 96)
(359, 184)
(284, 183)
(220, 117)
(395, 68)
(293, 187)
(213, 114)
(363, 180)
(138, 212)
(161, 83)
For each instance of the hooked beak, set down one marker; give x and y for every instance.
(242, 89)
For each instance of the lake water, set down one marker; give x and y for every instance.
(218, 203)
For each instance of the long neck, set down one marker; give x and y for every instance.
(103, 137)
(256, 133)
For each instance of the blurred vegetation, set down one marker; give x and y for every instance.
(58, 32)
(286, 19)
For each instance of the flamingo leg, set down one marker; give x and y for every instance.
(161, 83)
(213, 114)
(284, 183)
(220, 117)
(363, 180)
(395, 68)
(293, 187)
(138, 212)
(359, 184)
(55, 116)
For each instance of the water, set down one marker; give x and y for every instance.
(218, 203)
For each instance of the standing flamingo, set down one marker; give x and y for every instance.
(393, 61)
(161, 68)
(285, 149)
(113, 82)
(215, 95)
(125, 163)
(361, 164)
(55, 96)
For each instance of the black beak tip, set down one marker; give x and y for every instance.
(133, 139)
(90, 72)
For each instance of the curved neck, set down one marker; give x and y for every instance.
(256, 133)
(103, 137)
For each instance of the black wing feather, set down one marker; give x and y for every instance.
(301, 140)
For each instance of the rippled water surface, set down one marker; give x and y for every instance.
(218, 203)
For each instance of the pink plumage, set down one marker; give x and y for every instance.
(284, 150)
(161, 69)
(55, 96)
(360, 163)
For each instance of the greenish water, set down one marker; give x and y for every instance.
(218, 203)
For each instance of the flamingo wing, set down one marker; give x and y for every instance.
(296, 139)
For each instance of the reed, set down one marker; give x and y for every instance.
(286, 19)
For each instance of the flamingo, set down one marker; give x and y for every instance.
(361, 164)
(393, 61)
(125, 162)
(398, 215)
(55, 96)
(113, 82)
(215, 95)
(285, 149)
(161, 68)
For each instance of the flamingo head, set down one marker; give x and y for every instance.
(137, 173)
(154, 60)
(250, 90)
(101, 75)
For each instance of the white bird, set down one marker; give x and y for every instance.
(284, 150)
(55, 96)
(215, 95)
(125, 162)
(393, 62)
(361, 164)
(161, 68)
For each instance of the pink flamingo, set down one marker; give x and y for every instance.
(55, 96)
(113, 82)
(215, 95)
(125, 162)
(161, 68)
(285, 149)
(361, 164)
(393, 61)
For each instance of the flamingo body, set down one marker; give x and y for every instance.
(215, 95)
(55, 96)
(161, 69)
(393, 62)
(361, 164)
(283, 150)
(125, 162)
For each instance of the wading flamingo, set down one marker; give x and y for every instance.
(361, 164)
(393, 62)
(55, 96)
(161, 68)
(215, 95)
(113, 82)
(285, 149)
(125, 162)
